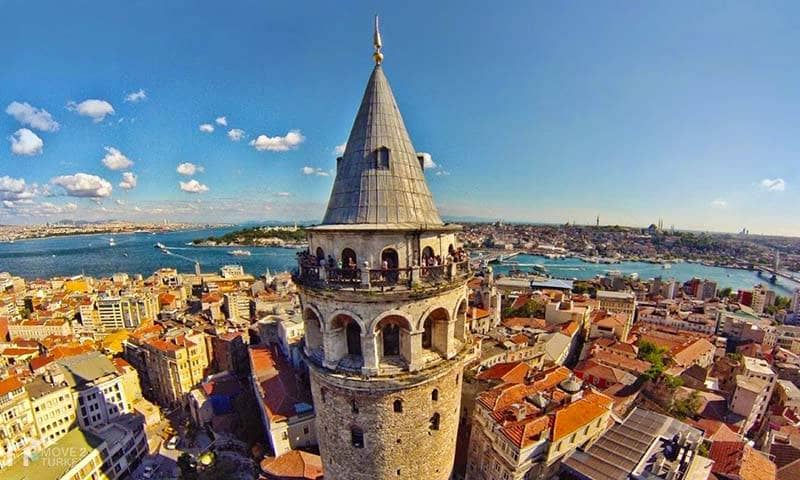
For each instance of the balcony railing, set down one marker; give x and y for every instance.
(380, 278)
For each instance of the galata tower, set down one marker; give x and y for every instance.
(384, 298)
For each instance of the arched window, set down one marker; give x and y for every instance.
(382, 158)
(353, 406)
(390, 258)
(435, 395)
(434, 422)
(313, 330)
(427, 253)
(349, 259)
(320, 253)
(357, 437)
(398, 406)
(427, 334)
(353, 332)
(391, 339)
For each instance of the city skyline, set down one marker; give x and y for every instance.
(235, 114)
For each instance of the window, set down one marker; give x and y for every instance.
(322, 394)
(398, 406)
(357, 437)
(353, 406)
(305, 430)
(382, 158)
(435, 395)
(434, 422)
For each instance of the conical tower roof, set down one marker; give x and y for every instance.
(379, 178)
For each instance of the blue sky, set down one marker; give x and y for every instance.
(536, 111)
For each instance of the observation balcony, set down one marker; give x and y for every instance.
(380, 279)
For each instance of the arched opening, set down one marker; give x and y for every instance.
(434, 334)
(390, 259)
(357, 437)
(434, 423)
(346, 342)
(427, 255)
(349, 259)
(451, 251)
(435, 395)
(394, 340)
(391, 340)
(320, 254)
(353, 333)
(313, 331)
(398, 406)
(461, 321)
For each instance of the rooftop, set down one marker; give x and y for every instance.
(54, 461)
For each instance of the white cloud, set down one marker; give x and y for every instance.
(427, 161)
(314, 171)
(206, 128)
(278, 144)
(37, 118)
(137, 209)
(129, 180)
(189, 169)
(236, 134)
(193, 186)
(137, 96)
(116, 160)
(119, 202)
(283, 194)
(442, 173)
(222, 121)
(8, 204)
(12, 185)
(93, 108)
(25, 142)
(773, 184)
(47, 208)
(339, 149)
(84, 185)
(719, 203)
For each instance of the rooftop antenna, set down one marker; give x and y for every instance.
(376, 41)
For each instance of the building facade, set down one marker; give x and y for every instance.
(384, 299)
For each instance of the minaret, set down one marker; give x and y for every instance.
(384, 301)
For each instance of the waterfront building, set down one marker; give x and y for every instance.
(762, 298)
(706, 290)
(795, 305)
(384, 299)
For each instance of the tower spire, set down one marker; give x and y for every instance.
(376, 42)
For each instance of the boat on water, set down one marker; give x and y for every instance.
(111, 242)
(124, 254)
(666, 266)
(240, 253)
(160, 246)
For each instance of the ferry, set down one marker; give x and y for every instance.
(240, 253)
(111, 242)
(160, 246)
(666, 266)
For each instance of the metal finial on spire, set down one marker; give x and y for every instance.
(376, 41)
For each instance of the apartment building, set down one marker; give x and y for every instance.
(53, 408)
(97, 387)
(175, 365)
(32, 329)
(751, 396)
(127, 311)
(17, 425)
(523, 430)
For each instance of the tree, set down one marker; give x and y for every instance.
(682, 408)
(653, 354)
(725, 292)
(188, 472)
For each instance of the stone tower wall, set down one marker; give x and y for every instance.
(397, 445)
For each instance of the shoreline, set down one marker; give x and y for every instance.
(112, 232)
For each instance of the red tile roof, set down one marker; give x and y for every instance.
(278, 382)
(737, 459)
(9, 385)
(294, 464)
(512, 372)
